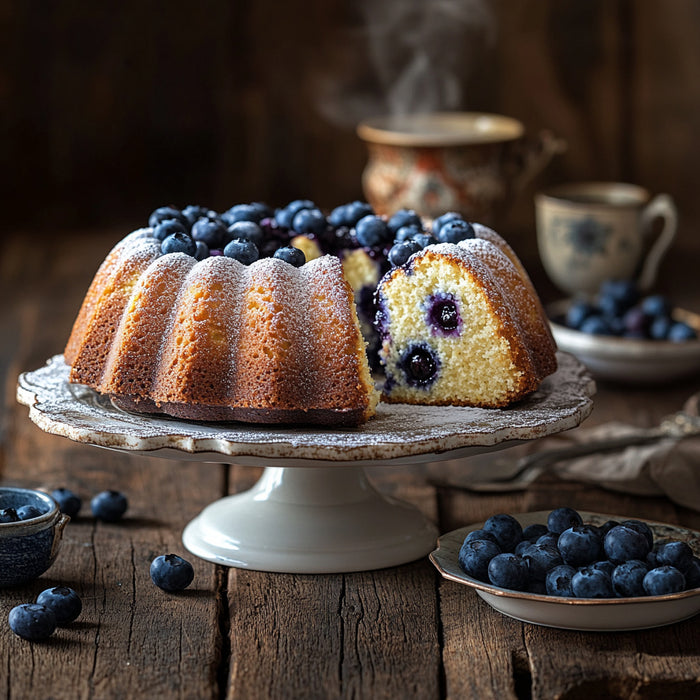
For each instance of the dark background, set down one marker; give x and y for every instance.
(110, 109)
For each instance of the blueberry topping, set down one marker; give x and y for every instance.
(32, 621)
(68, 502)
(243, 250)
(28, 512)
(208, 231)
(407, 232)
(63, 601)
(290, 254)
(192, 212)
(357, 210)
(442, 220)
(455, 231)
(419, 365)
(171, 572)
(202, 251)
(403, 217)
(371, 231)
(443, 315)
(424, 239)
(248, 230)
(109, 506)
(309, 221)
(285, 216)
(244, 212)
(9, 515)
(164, 213)
(340, 216)
(169, 226)
(178, 243)
(399, 253)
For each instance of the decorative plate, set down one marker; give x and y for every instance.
(584, 614)
(626, 360)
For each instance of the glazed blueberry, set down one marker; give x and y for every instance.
(443, 219)
(244, 251)
(580, 545)
(371, 231)
(68, 502)
(164, 213)
(399, 253)
(169, 226)
(474, 557)
(291, 255)
(455, 231)
(171, 572)
(534, 532)
(210, 232)
(419, 365)
(639, 526)
(248, 230)
(178, 243)
(578, 312)
(403, 217)
(561, 519)
(243, 212)
(309, 221)
(506, 529)
(591, 583)
(627, 578)
(443, 315)
(32, 621)
(663, 580)
(656, 305)
(508, 571)
(28, 512)
(63, 601)
(285, 216)
(540, 558)
(202, 251)
(109, 506)
(480, 535)
(674, 553)
(406, 233)
(680, 332)
(623, 543)
(9, 515)
(596, 325)
(558, 581)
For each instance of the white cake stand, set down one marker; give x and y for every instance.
(313, 509)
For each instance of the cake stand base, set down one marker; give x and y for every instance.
(310, 520)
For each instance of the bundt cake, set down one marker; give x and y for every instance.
(215, 339)
(461, 324)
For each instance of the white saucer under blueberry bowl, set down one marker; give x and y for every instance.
(581, 614)
(625, 360)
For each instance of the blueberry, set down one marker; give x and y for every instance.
(535, 531)
(663, 580)
(636, 323)
(604, 565)
(607, 526)
(680, 332)
(244, 251)
(164, 213)
(508, 571)
(403, 217)
(248, 230)
(506, 529)
(591, 583)
(28, 512)
(371, 231)
(443, 219)
(202, 251)
(639, 526)
(419, 365)
(659, 327)
(443, 316)
(522, 546)
(558, 581)
(549, 538)
(192, 212)
(178, 243)
(580, 545)
(32, 621)
(455, 231)
(596, 325)
(424, 239)
(171, 572)
(109, 506)
(561, 519)
(291, 255)
(623, 543)
(627, 578)
(284, 217)
(674, 553)
(474, 557)
(399, 253)
(340, 216)
(9, 515)
(406, 233)
(480, 535)
(63, 601)
(244, 212)
(624, 292)
(68, 502)
(357, 210)
(309, 221)
(169, 226)
(578, 312)
(656, 305)
(692, 574)
(213, 233)
(540, 559)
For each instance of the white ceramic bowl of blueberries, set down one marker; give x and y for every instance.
(623, 336)
(577, 570)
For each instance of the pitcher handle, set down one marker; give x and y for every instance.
(534, 155)
(661, 206)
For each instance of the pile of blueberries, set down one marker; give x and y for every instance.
(620, 310)
(566, 557)
(248, 232)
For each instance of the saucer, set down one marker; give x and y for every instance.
(582, 614)
(626, 360)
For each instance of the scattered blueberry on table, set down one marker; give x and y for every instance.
(32, 621)
(109, 506)
(63, 601)
(171, 572)
(570, 558)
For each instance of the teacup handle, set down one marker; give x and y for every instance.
(662, 206)
(534, 155)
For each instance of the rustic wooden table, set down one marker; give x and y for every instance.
(397, 632)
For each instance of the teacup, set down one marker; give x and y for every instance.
(470, 162)
(588, 232)
(29, 547)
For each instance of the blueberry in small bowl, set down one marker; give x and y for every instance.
(28, 546)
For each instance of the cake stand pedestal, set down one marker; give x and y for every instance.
(313, 509)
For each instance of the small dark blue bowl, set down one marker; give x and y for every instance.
(29, 547)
